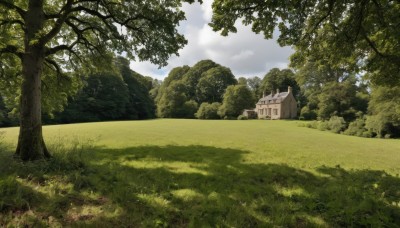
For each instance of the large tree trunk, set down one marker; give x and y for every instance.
(31, 145)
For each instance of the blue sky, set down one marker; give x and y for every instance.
(245, 53)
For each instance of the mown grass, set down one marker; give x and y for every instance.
(190, 173)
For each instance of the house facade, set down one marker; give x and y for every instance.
(277, 106)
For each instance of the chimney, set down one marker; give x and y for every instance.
(277, 91)
(289, 89)
(263, 93)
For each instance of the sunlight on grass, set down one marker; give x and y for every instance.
(155, 201)
(189, 173)
(187, 195)
(175, 167)
(289, 192)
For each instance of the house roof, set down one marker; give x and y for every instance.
(273, 98)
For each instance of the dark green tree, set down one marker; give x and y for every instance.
(280, 79)
(174, 103)
(141, 105)
(384, 110)
(212, 85)
(356, 35)
(208, 111)
(176, 74)
(64, 35)
(104, 97)
(236, 99)
(195, 73)
(254, 84)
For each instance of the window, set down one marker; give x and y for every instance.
(269, 111)
(275, 111)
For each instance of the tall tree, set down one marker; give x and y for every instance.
(280, 79)
(60, 35)
(236, 99)
(357, 35)
(212, 85)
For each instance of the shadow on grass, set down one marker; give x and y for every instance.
(181, 186)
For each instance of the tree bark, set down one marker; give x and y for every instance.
(31, 145)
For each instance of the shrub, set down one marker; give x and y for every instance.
(336, 124)
(307, 114)
(208, 111)
(323, 126)
(242, 117)
(357, 128)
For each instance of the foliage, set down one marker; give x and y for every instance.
(242, 117)
(208, 111)
(277, 79)
(105, 97)
(384, 108)
(236, 99)
(212, 84)
(275, 182)
(307, 114)
(205, 82)
(174, 102)
(336, 124)
(341, 99)
(140, 105)
(254, 83)
(357, 128)
(354, 35)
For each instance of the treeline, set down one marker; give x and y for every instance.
(206, 90)
(117, 93)
(342, 101)
(337, 100)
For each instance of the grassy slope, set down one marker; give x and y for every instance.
(268, 141)
(202, 173)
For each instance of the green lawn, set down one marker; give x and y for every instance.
(194, 173)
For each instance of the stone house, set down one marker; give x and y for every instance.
(277, 106)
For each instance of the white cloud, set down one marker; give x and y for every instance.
(245, 53)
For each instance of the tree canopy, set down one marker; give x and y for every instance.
(206, 81)
(360, 36)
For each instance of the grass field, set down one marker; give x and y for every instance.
(194, 173)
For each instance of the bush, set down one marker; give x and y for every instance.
(357, 128)
(208, 111)
(323, 126)
(307, 114)
(336, 124)
(242, 117)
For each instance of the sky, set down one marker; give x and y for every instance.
(247, 54)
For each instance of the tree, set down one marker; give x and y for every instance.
(208, 111)
(212, 84)
(193, 76)
(280, 79)
(357, 35)
(104, 97)
(341, 99)
(141, 105)
(172, 103)
(254, 84)
(61, 35)
(384, 110)
(236, 99)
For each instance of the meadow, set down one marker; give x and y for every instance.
(197, 173)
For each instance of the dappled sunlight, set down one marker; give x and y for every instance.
(290, 192)
(155, 201)
(175, 167)
(188, 195)
(192, 186)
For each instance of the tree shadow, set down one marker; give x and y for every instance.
(199, 186)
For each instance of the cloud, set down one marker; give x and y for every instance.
(245, 53)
